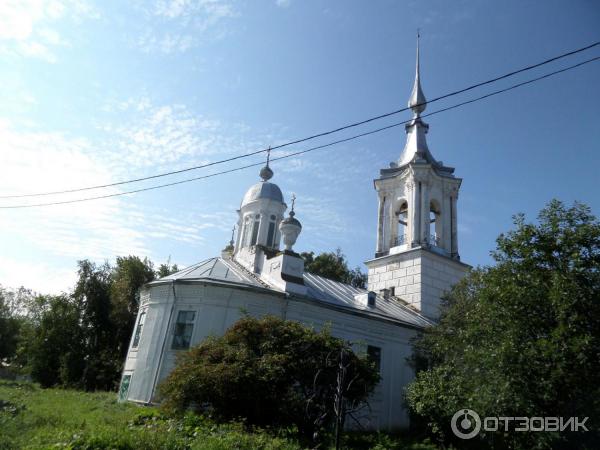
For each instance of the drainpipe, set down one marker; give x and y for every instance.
(162, 350)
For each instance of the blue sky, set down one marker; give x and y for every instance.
(97, 92)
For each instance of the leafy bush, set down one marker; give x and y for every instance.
(270, 372)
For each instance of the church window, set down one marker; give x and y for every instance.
(138, 329)
(184, 326)
(255, 229)
(246, 234)
(374, 356)
(124, 388)
(271, 232)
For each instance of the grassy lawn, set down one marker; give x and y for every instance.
(35, 418)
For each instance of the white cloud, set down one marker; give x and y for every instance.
(141, 138)
(40, 277)
(167, 43)
(38, 162)
(51, 36)
(24, 26)
(190, 22)
(283, 3)
(35, 161)
(17, 18)
(159, 136)
(204, 11)
(36, 50)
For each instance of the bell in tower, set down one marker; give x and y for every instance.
(416, 255)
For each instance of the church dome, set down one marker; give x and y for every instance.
(263, 190)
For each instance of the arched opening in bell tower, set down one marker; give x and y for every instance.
(435, 224)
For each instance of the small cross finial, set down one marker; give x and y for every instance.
(293, 202)
(266, 173)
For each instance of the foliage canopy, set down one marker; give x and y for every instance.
(76, 339)
(333, 265)
(521, 338)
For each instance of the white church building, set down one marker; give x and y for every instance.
(416, 261)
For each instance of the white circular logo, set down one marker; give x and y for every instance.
(465, 420)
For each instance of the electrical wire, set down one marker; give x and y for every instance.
(314, 136)
(330, 144)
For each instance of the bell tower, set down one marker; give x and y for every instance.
(416, 255)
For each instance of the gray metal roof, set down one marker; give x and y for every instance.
(319, 289)
(216, 269)
(341, 294)
(261, 190)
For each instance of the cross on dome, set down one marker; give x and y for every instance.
(266, 173)
(292, 213)
(232, 234)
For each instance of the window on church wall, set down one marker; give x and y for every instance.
(124, 388)
(138, 330)
(271, 232)
(255, 229)
(182, 334)
(374, 356)
(246, 232)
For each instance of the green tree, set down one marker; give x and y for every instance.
(333, 265)
(54, 344)
(270, 372)
(9, 326)
(166, 269)
(128, 276)
(92, 295)
(521, 338)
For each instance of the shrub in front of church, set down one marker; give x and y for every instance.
(521, 338)
(270, 372)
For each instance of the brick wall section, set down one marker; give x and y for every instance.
(419, 277)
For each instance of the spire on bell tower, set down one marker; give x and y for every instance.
(417, 101)
(416, 143)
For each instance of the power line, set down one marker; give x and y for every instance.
(314, 136)
(330, 144)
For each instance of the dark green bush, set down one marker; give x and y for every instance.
(270, 372)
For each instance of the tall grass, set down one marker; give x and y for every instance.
(35, 418)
